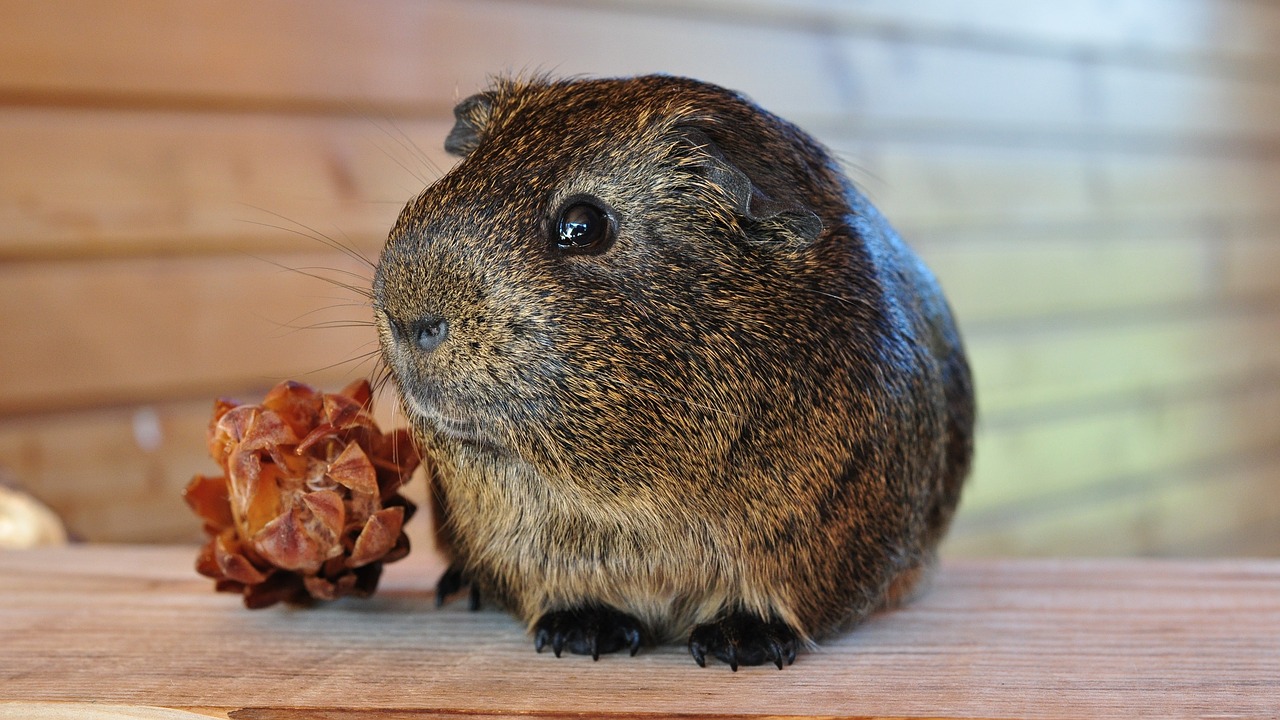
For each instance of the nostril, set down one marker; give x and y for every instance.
(428, 332)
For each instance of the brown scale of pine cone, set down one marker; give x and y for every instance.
(307, 507)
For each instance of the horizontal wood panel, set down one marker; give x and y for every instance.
(107, 183)
(1148, 30)
(404, 57)
(112, 182)
(400, 56)
(1172, 514)
(891, 80)
(1054, 458)
(921, 186)
(1058, 368)
(1053, 274)
(140, 329)
(1251, 265)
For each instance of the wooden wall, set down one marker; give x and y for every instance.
(1094, 182)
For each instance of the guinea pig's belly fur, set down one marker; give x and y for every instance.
(534, 546)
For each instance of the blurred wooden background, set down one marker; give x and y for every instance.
(1094, 182)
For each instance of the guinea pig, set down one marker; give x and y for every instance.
(679, 379)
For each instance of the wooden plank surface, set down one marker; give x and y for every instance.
(134, 626)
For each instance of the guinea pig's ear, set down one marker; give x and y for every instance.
(747, 198)
(472, 116)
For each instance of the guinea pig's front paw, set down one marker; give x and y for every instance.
(452, 581)
(588, 630)
(740, 638)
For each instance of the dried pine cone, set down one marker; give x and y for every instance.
(307, 508)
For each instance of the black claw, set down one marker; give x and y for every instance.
(699, 653)
(740, 638)
(776, 651)
(591, 630)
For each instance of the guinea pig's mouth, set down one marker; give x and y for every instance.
(459, 428)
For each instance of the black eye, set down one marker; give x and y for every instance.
(583, 228)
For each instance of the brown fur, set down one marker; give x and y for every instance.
(756, 400)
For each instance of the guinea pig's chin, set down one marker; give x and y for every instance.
(464, 429)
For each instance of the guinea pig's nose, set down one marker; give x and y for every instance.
(428, 332)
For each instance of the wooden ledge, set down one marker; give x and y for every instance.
(134, 631)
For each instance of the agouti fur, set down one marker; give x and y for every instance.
(680, 380)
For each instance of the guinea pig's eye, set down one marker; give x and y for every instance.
(583, 227)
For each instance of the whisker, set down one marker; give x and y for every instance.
(332, 324)
(359, 359)
(395, 158)
(306, 231)
(406, 143)
(357, 289)
(340, 271)
(285, 330)
(340, 304)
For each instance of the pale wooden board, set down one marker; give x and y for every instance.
(1249, 263)
(892, 80)
(922, 185)
(1207, 509)
(991, 639)
(1153, 31)
(1050, 366)
(1063, 456)
(1003, 274)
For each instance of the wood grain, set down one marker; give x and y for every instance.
(1055, 457)
(108, 183)
(1049, 638)
(178, 327)
(1202, 509)
(1148, 30)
